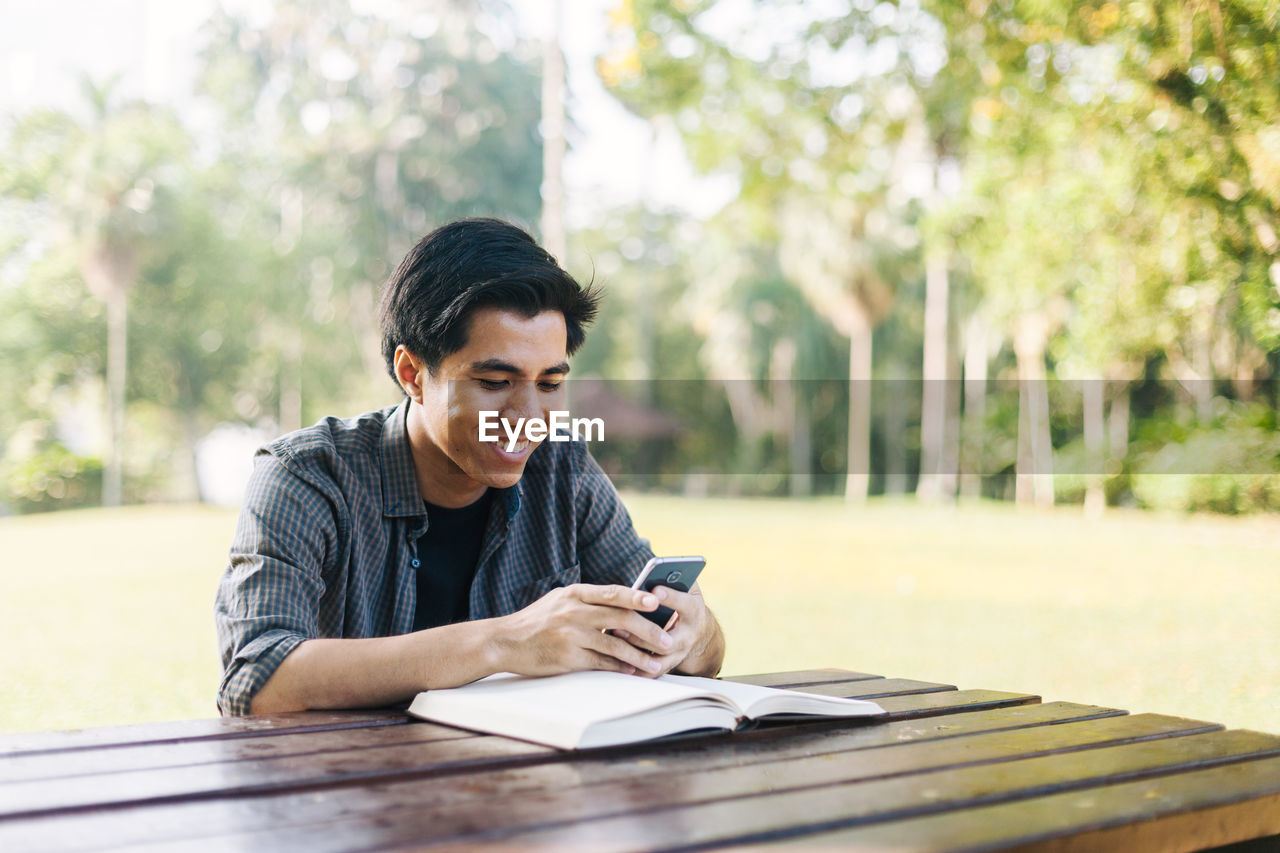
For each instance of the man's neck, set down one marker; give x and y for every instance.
(440, 481)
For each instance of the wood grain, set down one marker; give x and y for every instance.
(800, 678)
(1180, 812)
(208, 817)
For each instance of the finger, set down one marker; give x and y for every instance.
(681, 602)
(596, 660)
(611, 620)
(613, 595)
(624, 652)
(644, 634)
(666, 663)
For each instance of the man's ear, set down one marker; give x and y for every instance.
(409, 372)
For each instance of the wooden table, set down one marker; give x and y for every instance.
(948, 770)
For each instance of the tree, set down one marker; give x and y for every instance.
(94, 182)
(1117, 165)
(360, 131)
(808, 114)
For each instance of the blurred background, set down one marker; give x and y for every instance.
(948, 330)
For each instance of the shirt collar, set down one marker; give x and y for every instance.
(400, 495)
(512, 499)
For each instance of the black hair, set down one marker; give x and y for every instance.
(428, 300)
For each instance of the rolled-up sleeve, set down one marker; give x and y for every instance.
(269, 597)
(609, 548)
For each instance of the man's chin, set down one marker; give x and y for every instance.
(503, 468)
(502, 479)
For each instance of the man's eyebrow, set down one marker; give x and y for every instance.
(497, 365)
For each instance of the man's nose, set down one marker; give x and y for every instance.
(522, 402)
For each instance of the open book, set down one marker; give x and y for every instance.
(586, 709)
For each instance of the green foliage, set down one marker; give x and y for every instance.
(1110, 170)
(1230, 465)
(331, 140)
(50, 477)
(1113, 172)
(352, 134)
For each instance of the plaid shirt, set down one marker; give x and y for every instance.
(326, 544)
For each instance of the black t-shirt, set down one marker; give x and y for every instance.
(446, 562)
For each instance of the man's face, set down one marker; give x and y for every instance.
(511, 364)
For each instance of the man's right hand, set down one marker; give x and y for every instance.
(563, 631)
(569, 629)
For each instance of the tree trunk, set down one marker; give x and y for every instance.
(1248, 361)
(1195, 375)
(189, 482)
(1095, 498)
(1035, 447)
(1118, 427)
(117, 371)
(753, 419)
(949, 475)
(894, 426)
(934, 403)
(791, 415)
(975, 406)
(109, 271)
(553, 236)
(801, 448)
(857, 477)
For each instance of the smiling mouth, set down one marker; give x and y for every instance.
(517, 453)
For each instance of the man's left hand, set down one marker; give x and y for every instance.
(698, 645)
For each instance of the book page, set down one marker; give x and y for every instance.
(755, 701)
(590, 696)
(557, 709)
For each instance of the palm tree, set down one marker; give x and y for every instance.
(96, 178)
(829, 254)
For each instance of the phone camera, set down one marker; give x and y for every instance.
(673, 577)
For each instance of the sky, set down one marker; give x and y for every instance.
(615, 158)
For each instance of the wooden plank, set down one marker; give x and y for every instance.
(1185, 811)
(207, 818)
(928, 704)
(771, 813)
(874, 688)
(56, 786)
(234, 727)
(154, 755)
(907, 706)
(800, 678)
(212, 729)
(679, 782)
(259, 775)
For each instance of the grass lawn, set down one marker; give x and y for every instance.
(107, 614)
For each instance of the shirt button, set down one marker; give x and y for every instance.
(414, 562)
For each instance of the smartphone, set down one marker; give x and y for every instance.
(679, 573)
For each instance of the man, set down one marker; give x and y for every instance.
(394, 552)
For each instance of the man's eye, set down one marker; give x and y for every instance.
(549, 386)
(493, 384)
